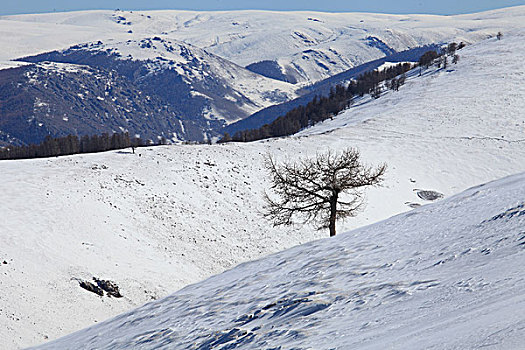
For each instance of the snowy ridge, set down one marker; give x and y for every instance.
(445, 276)
(460, 121)
(208, 86)
(311, 46)
(205, 91)
(307, 45)
(205, 74)
(195, 64)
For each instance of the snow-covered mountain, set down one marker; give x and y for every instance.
(52, 98)
(191, 93)
(174, 215)
(445, 276)
(215, 79)
(307, 46)
(310, 46)
(203, 69)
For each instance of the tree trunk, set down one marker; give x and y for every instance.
(333, 214)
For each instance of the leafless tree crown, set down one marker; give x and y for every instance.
(311, 188)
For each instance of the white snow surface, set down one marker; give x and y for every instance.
(315, 44)
(445, 276)
(177, 214)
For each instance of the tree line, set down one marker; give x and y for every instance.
(324, 107)
(341, 97)
(72, 144)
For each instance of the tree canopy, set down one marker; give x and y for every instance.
(321, 189)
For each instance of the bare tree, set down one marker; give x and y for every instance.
(314, 188)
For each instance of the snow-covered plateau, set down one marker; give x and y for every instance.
(447, 275)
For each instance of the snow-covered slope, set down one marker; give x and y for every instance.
(452, 111)
(445, 276)
(210, 68)
(231, 92)
(59, 99)
(177, 214)
(308, 46)
(311, 46)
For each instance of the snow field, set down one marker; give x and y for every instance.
(316, 45)
(177, 214)
(445, 276)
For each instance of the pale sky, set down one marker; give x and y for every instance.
(444, 7)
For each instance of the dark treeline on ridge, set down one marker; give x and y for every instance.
(71, 144)
(324, 107)
(340, 98)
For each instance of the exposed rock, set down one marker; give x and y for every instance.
(109, 287)
(91, 288)
(413, 205)
(100, 287)
(429, 195)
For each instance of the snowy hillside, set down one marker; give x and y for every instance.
(52, 98)
(150, 87)
(217, 80)
(310, 46)
(307, 46)
(177, 214)
(203, 70)
(445, 276)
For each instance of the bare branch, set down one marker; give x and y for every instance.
(309, 189)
